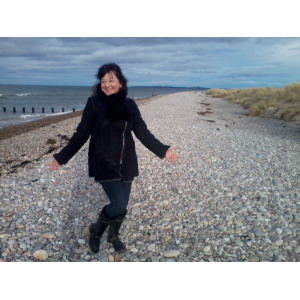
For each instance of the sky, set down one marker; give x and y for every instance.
(188, 61)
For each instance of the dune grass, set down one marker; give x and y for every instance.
(281, 103)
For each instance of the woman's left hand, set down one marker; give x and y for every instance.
(171, 156)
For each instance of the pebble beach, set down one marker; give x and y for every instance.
(233, 195)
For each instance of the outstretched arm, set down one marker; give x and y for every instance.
(54, 165)
(79, 138)
(146, 137)
(171, 156)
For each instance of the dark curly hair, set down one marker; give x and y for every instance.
(109, 68)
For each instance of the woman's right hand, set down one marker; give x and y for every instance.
(54, 165)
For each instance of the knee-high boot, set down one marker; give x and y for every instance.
(96, 231)
(113, 234)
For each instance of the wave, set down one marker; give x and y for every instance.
(43, 115)
(23, 95)
(1, 95)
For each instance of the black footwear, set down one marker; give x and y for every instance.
(114, 233)
(96, 231)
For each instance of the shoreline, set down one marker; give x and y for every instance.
(17, 129)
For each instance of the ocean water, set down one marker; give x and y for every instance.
(58, 97)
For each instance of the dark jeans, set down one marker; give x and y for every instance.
(118, 193)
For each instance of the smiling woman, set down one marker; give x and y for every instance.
(109, 118)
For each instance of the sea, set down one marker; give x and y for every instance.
(15, 98)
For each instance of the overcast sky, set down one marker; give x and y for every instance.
(204, 62)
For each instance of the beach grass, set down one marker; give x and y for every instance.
(281, 103)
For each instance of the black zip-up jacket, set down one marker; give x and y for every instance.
(112, 153)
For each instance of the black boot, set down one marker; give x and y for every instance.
(114, 233)
(96, 231)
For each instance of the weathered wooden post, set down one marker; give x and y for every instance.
(43, 110)
(52, 110)
(14, 109)
(4, 109)
(23, 110)
(73, 109)
(33, 110)
(63, 110)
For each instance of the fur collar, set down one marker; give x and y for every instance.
(117, 108)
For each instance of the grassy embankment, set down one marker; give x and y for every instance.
(281, 103)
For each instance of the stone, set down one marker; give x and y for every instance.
(150, 247)
(258, 233)
(23, 246)
(86, 231)
(134, 250)
(206, 249)
(40, 254)
(270, 253)
(110, 258)
(253, 258)
(288, 230)
(279, 242)
(117, 258)
(238, 223)
(135, 211)
(296, 219)
(5, 224)
(154, 258)
(81, 241)
(20, 226)
(261, 195)
(11, 242)
(5, 235)
(250, 234)
(171, 253)
(49, 235)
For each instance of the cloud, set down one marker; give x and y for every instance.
(209, 62)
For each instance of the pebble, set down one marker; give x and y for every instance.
(49, 235)
(261, 195)
(150, 247)
(171, 253)
(253, 258)
(154, 258)
(279, 242)
(40, 255)
(23, 246)
(206, 249)
(288, 230)
(134, 250)
(258, 233)
(111, 258)
(234, 192)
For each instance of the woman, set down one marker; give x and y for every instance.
(109, 117)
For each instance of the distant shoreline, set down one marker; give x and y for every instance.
(17, 129)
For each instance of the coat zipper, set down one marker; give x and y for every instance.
(122, 149)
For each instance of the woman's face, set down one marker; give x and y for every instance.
(110, 84)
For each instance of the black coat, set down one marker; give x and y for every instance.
(112, 153)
